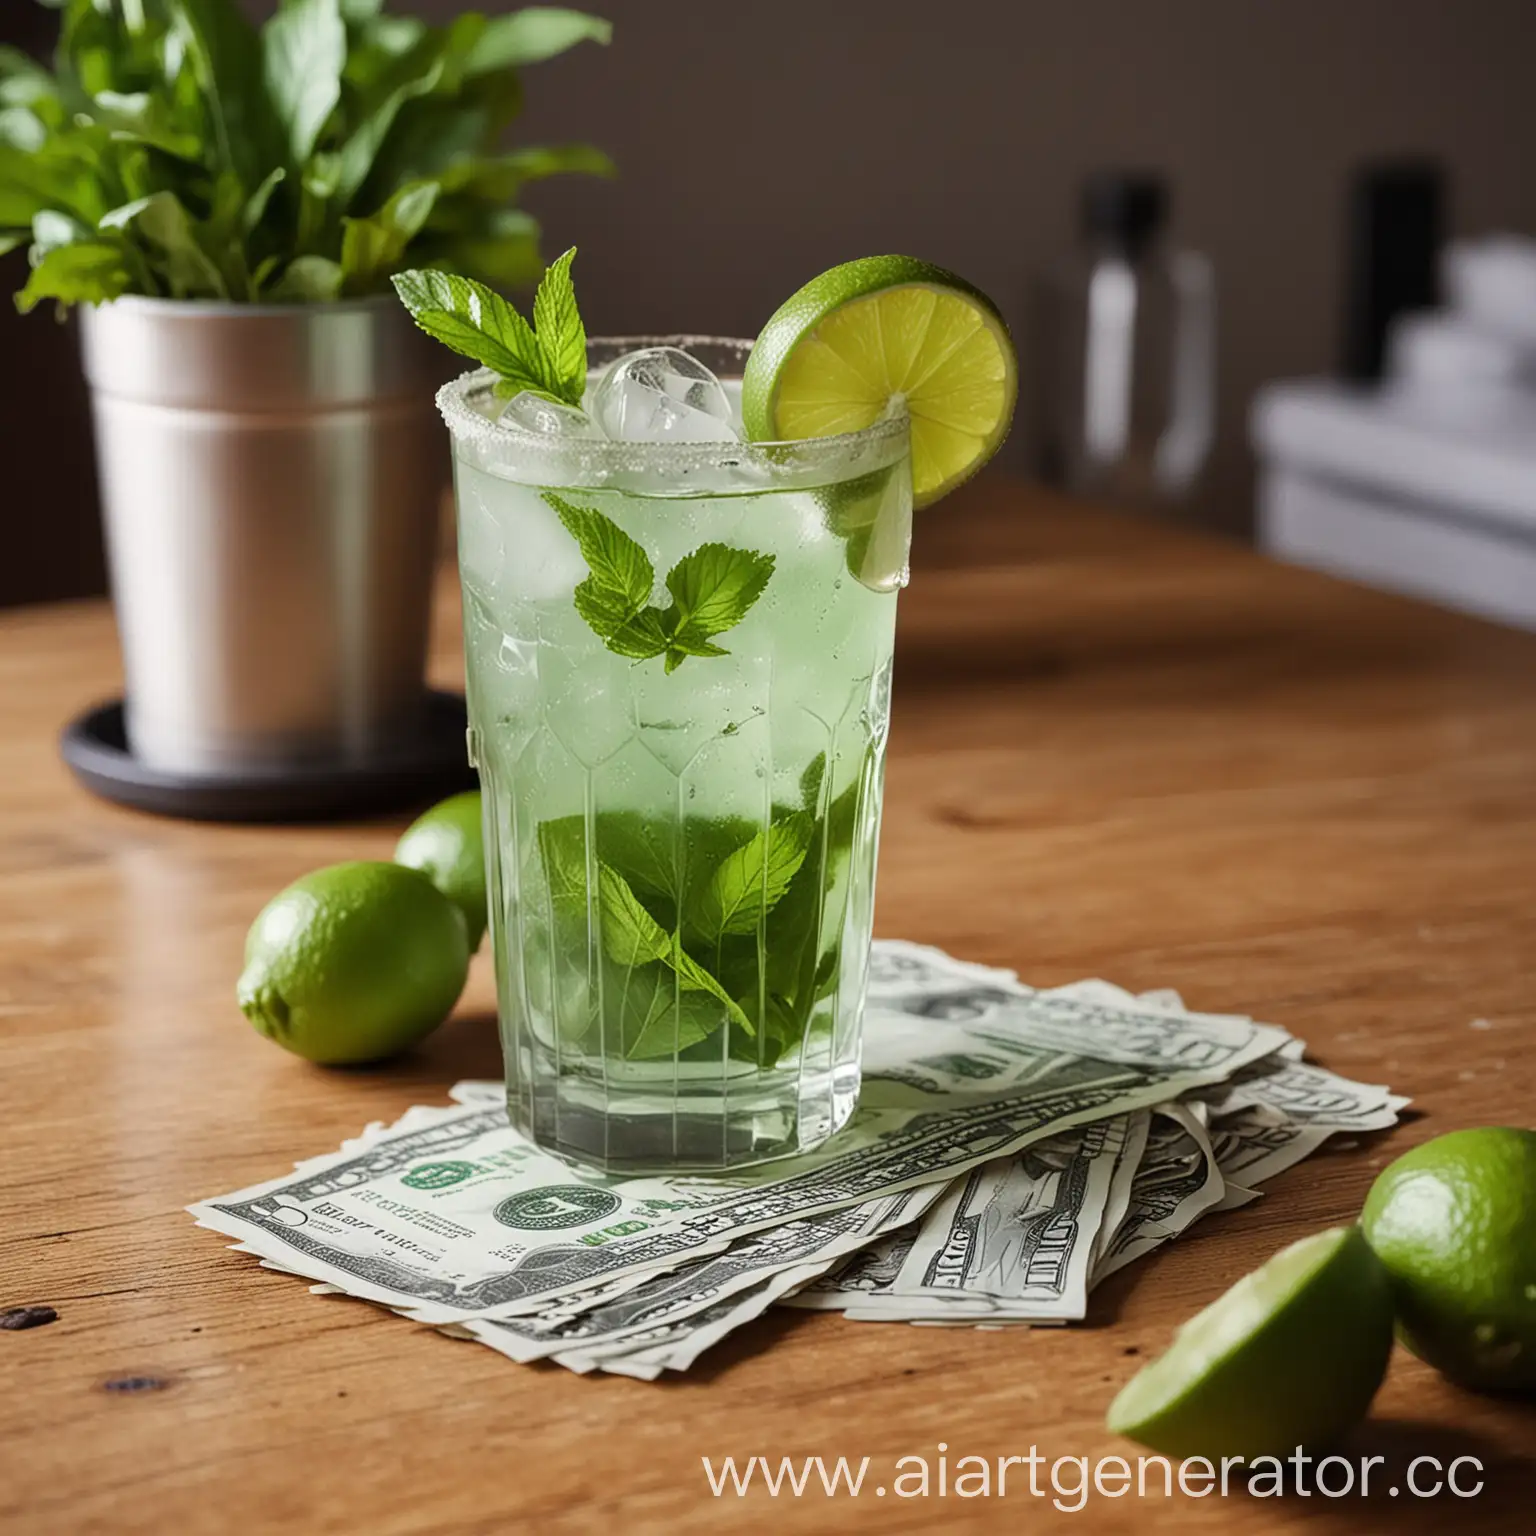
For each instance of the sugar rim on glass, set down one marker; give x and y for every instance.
(849, 453)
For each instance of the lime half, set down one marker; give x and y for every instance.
(1290, 1356)
(837, 355)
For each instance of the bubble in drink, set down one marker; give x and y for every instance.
(662, 395)
(533, 413)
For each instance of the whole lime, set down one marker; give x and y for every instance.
(1454, 1221)
(354, 962)
(446, 846)
(1290, 1356)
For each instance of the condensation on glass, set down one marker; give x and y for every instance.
(681, 864)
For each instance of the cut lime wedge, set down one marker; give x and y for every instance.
(886, 331)
(1290, 1356)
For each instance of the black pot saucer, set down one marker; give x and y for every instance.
(426, 768)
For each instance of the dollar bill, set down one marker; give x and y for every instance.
(675, 1296)
(1309, 1095)
(1012, 1241)
(458, 1216)
(1253, 1143)
(1012, 1146)
(1121, 1185)
(675, 1346)
(1178, 1179)
(1021, 1231)
(870, 1273)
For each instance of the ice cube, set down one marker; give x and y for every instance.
(533, 413)
(662, 395)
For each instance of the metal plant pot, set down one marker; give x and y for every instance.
(270, 481)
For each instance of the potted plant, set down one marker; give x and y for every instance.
(228, 203)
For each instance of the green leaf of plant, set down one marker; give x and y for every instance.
(308, 280)
(532, 35)
(499, 246)
(168, 229)
(89, 272)
(749, 883)
(141, 118)
(371, 246)
(714, 588)
(561, 335)
(22, 129)
(416, 74)
(255, 206)
(51, 229)
(223, 53)
(303, 48)
(497, 178)
(622, 575)
(473, 320)
(31, 183)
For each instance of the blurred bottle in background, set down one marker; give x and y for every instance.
(1127, 352)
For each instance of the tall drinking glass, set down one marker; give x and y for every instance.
(680, 849)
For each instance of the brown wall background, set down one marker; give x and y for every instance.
(760, 143)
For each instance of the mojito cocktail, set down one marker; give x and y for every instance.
(680, 837)
(680, 560)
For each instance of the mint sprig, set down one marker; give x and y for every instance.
(680, 905)
(712, 589)
(547, 358)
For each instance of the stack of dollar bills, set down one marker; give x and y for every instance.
(1011, 1148)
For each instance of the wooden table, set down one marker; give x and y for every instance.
(1117, 751)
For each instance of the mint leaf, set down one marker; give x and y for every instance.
(657, 1017)
(641, 638)
(632, 937)
(622, 573)
(469, 317)
(749, 883)
(681, 646)
(562, 337)
(304, 47)
(474, 321)
(811, 781)
(713, 588)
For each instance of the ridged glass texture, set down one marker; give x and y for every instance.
(681, 865)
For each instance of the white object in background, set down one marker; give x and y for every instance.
(1426, 484)
(1476, 568)
(1492, 282)
(1381, 487)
